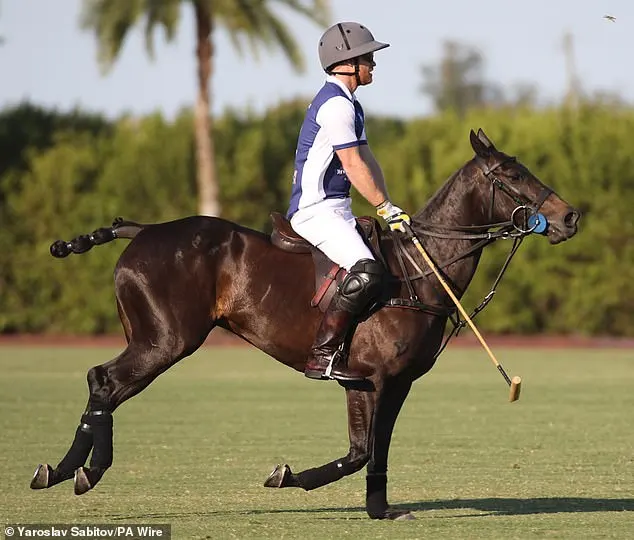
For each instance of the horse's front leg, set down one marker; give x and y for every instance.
(361, 407)
(389, 406)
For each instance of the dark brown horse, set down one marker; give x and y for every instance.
(176, 281)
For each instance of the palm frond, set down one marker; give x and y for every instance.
(255, 23)
(112, 20)
(279, 35)
(241, 19)
(318, 11)
(160, 13)
(249, 23)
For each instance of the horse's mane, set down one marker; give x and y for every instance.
(432, 203)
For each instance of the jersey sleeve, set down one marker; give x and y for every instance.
(337, 118)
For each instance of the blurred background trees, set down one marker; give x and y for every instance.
(63, 174)
(248, 23)
(67, 173)
(458, 83)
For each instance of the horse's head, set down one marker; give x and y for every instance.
(514, 193)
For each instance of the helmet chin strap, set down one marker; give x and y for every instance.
(357, 78)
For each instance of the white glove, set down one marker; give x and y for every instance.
(393, 216)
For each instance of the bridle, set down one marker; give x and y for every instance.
(524, 203)
(527, 210)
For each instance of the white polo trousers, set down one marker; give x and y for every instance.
(330, 226)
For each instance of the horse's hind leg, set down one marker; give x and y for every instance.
(94, 429)
(110, 384)
(165, 311)
(45, 476)
(392, 398)
(361, 407)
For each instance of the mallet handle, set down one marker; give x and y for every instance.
(455, 300)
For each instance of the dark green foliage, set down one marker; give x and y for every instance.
(68, 174)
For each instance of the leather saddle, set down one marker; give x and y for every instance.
(328, 275)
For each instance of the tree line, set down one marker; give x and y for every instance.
(254, 24)
(63, 174)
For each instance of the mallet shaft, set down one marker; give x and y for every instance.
(421, 249)
(429, 262)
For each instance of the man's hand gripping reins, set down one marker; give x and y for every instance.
(394, 216)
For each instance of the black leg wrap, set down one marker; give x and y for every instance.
(75, 457)
(376, 495)
(320, 476)
(101, 424)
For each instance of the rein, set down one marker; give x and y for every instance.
(532, 222)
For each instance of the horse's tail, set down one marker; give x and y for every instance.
(80, 244)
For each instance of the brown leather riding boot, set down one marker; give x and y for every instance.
(330, 336)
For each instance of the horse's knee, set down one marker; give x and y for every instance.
(100, 389)
(116, 381)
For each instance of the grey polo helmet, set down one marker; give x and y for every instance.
(345, 41)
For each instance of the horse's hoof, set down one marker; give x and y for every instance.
(41, 476)
(82, 484)
(406, 516)
(278, 476)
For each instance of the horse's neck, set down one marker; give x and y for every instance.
(456, 203)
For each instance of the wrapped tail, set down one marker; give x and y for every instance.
(80, 244)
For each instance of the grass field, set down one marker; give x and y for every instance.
(194, 448)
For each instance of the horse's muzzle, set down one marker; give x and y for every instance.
(565, 227)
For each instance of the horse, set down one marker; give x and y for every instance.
(176, 281)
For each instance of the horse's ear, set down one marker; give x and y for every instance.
(487, 142)
(480, 148)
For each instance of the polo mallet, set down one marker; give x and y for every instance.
(515, 384)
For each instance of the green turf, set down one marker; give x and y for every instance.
(194, 448)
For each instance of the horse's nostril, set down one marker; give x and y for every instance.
(571, 219)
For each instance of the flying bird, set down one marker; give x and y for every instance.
(609, 18)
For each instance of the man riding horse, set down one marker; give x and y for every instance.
(333, 154)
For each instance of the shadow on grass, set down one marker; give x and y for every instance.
(490, 506)
(515, 507)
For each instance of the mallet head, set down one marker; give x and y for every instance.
(516, 387)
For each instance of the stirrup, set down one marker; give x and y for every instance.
(344, 374)
(325, 374)
(333, 358)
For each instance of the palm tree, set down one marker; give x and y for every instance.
(250, 22)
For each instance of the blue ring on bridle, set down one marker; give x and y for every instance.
(536, 222)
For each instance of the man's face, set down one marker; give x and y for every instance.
(366, 65)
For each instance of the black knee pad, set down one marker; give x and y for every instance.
(361, 285)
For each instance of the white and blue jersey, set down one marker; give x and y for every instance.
(334, 120)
